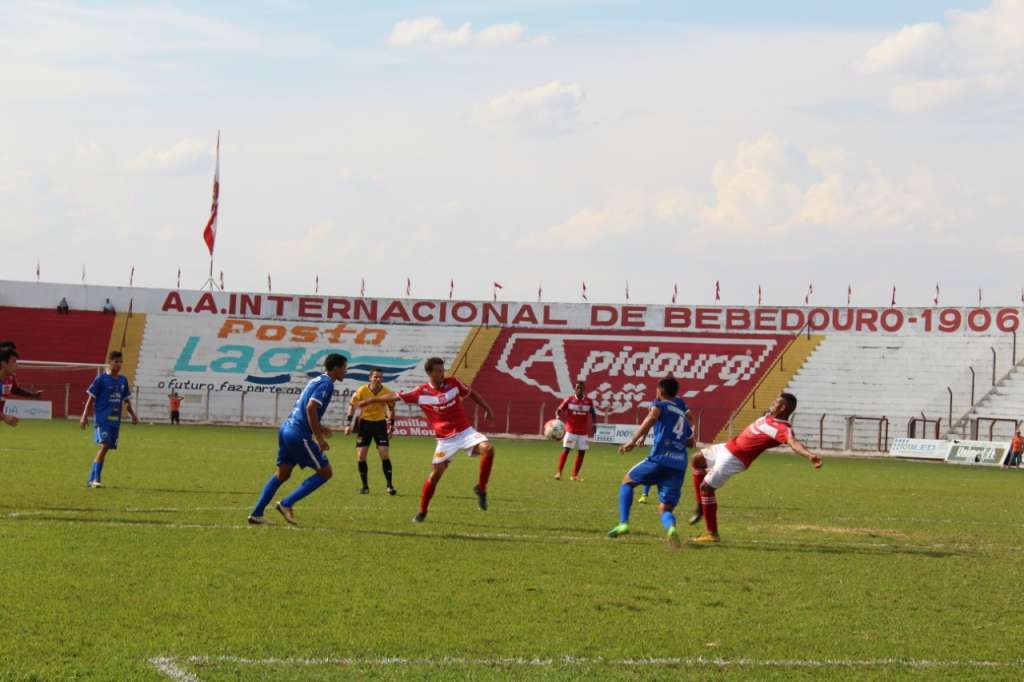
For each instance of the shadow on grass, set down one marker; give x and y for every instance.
(455, 535)
(808, 548)
(194, 491)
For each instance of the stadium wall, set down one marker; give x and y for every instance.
(242, 357)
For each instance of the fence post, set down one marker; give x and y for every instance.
(241, 408)
(207, 404)
(951, 404)
(138, 402)
(821, 432)
(508, 416)
(67, 400)
(277, 401)
(993, 349)
(972, 389)
(849, 432)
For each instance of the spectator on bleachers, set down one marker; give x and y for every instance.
(62, 307)
(1016, 448)
(108, 307)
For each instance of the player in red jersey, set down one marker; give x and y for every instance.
(441, 401)
(9, 387)
(717, 464)
(8, 366)
(580, 424)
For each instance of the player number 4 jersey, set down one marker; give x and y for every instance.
(577, 413)
(441, 406)
(764, 434)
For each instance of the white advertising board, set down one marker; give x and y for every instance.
(920, 448)
(29, 409)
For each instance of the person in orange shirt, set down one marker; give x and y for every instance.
(1016, 447)
(174, 401)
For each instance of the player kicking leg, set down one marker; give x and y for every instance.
(715, 465)
(301, 441)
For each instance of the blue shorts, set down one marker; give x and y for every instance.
(668, 479)
(297, 448)
(106, 434)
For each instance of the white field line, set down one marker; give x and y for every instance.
(173, 667)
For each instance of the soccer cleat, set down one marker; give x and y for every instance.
(706, 539)
(558, 476)
(642, 499)
(481, 497)
(673, 538)
(577, 479)
(364, 491)
(420, 517)
(257, 521)
(698, 514)
(286, 512)
(94, 484)
(392, 491)
(621, 529)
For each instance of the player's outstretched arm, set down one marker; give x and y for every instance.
(85, 412)
(320, 432)
(801, 449)
(379, 400)
(479, 400)
(641, 433)
(131, 411)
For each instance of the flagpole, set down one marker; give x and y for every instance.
(211, 226)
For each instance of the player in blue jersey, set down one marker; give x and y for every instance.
(302, 440)
(108, 392)
(665, 465)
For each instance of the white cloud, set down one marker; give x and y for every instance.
(431, 32)
(972, 54)
(553, 108)
(185, 156)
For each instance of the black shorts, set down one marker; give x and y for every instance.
(376, 431)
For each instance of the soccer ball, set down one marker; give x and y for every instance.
(554, 429)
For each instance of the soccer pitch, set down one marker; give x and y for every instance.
(865, 569)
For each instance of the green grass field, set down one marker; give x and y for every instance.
(863, 570)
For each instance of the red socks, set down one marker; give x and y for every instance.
(486, 462)
(578, 464)
(426, 494)
(709, 503)
(698, 478)
(561, 460)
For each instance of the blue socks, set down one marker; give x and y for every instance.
(647, 490)
(96, 472)
(625, 502)
(308, 486)
(268, 494)
(668, 519)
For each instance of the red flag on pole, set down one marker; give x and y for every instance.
(222, 280)
(936, 299)
(718, 291)
(362, 288)
(979, 297)
(37, 271)
(210, 233)
(316, 285)
(759, 294)
(408, 287)
(270, 288)
(131, 277)
(451, 289)
(179, 278)
(540, 291)
(810, 291)
(584, 292)
(495, 290)
(892, 303)
(849, 294)
(675, 293)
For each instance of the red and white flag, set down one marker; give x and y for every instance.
(627, 290)
(316, 285)
(718, 290)
(179, 278)
(849, 294)
(935, 301)
(131, 277)
(759, 297)
(584, 292)
(451, 289)
(222, 280)
(892, 302)
(210, 233)
(362, 288)
(807, 296)
(497, 286)
(270, 287)
(675, 293)
(408, 287)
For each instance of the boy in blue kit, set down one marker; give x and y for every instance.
(665, 465)
(302, 440)
(108, 392)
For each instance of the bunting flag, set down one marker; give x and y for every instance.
(270, 288)
(222, 280)
(179, 279)
(1022, 296)
(892, 302)
(584, 292)
(627, 289)
(451, 289)
(935, 300)
(675, 293)
(316, 284)
(718, 291)
(810, 291)
(759, 297)
(849, 294)
(495, 290)
(83, 274)
(979, 297)
(210, 232)
(408, 287)
(131, 277)
(540, 291)
(37, 271)
(362, 288)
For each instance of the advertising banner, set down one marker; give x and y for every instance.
(978, 452)
(616, 434)
(920, 448)
(29, 409)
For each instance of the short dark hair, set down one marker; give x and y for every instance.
(580, 383)
(7, 344)
(431, 363)
(334, 360)
(790, 400)
(669, 386)
(7, 353)
(115, 355)
(376, 369)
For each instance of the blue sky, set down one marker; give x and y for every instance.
(525, 142)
